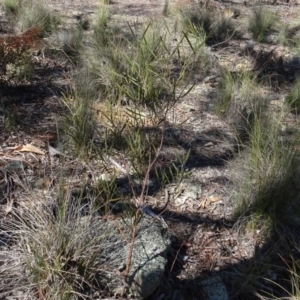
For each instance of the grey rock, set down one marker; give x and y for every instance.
(214, 289)
(113, 238)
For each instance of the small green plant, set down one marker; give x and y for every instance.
(79, 123)
(261, 24)
(172, 172)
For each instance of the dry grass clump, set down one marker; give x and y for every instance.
(267, 153)
(266, 199)
(267, 188)
(65, 43)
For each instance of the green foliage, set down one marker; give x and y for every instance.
(264, 181)
(174, 172)
(79, 123)
(141, 71)
(227, 88)
(261, 24)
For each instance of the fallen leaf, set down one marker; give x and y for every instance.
(29, 148)
(214, 199)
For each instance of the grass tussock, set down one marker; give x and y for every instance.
(267, 189)
(79, 123)
(52, 258)
(261, 24)
(206, 24)
(239, 100)
(27, 14)
(267, 153)
(65, 44)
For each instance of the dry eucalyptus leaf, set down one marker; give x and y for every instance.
(29, 148)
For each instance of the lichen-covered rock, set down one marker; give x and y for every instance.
(112, 242)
